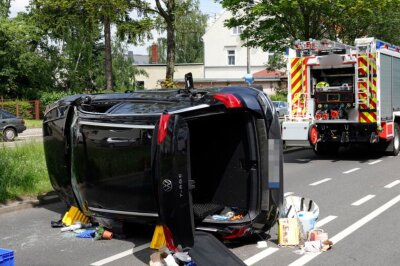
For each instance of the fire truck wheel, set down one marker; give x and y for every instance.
(395, 145)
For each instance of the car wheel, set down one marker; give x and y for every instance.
(9, 134)
(396, 141)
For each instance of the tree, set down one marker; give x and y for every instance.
(5, 8)
(25, 59)
(98, 11)
(190, 27)
(273, 25)
(124, 70)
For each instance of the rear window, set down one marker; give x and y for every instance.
(146, 107)
(5, 114)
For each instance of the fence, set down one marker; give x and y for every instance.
(27, 109)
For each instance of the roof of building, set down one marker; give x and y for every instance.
(141, 59)
(266, 74)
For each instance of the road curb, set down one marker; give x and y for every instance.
(52, 197)
(27, 204)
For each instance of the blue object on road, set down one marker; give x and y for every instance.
(87, 234)
(6, 257)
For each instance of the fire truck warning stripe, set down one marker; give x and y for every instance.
(367, 117)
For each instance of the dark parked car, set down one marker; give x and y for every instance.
(200, 159)
(10, 125)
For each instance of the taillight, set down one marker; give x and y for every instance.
(229, 100)
(162, 128)
(237, 233)
(169, 239)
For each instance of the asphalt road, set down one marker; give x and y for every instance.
(358, 195)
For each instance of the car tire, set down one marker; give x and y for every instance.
(9, 134)
(395, 143)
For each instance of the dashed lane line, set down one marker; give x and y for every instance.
(374, 162)
(320, 182)
(394, 183)
(259, 256)
(120, 255)
(326, 220)
(363, 200)
(346, 232)
(351, 170)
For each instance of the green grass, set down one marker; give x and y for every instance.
(30, 123)
(23, 171)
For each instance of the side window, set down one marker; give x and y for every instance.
(231, 57)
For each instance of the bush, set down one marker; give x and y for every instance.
(24, 107)
(47, 98)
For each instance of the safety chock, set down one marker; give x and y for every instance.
(74, 215)
(158, 240)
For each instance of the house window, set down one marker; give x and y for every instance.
(231, 57)
(236, 30)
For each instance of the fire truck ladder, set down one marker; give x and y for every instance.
(363, 76)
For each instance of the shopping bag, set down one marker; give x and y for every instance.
(288, 232)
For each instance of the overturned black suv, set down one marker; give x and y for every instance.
(194, 159)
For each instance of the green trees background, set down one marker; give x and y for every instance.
(62, 47)
(275, 24)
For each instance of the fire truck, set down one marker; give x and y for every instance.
(340, 94)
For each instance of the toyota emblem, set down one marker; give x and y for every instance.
(167, 185)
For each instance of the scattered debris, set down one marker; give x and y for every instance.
(164, 257)
(89, 233)
(288, 232)
(56, 224)
(102, 233)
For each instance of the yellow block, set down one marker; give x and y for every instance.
(74, 215)
(158, 240)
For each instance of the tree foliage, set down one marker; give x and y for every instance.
(191, 25)
(5, 8)
(66, 18)
(275, 24)
(25, 59)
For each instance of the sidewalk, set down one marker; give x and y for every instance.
(31, 133)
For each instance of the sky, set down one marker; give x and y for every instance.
(208, 7)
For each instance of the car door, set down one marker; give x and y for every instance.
(171, 173)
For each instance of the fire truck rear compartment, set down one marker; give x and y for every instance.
(347, 132)
(333, 91)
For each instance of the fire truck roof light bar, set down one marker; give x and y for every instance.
(322, 47)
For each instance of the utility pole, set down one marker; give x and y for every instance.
(248, 60)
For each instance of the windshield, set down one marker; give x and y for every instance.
(276, 104)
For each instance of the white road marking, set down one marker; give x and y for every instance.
(320, 182)
(120, 255)
(374, 162)
(352, 228)
(259, 256)
(394, 183)
(363, 200)
(326, 220)
(288, 194)
(351, 170)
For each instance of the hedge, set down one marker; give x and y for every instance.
(25, 108)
